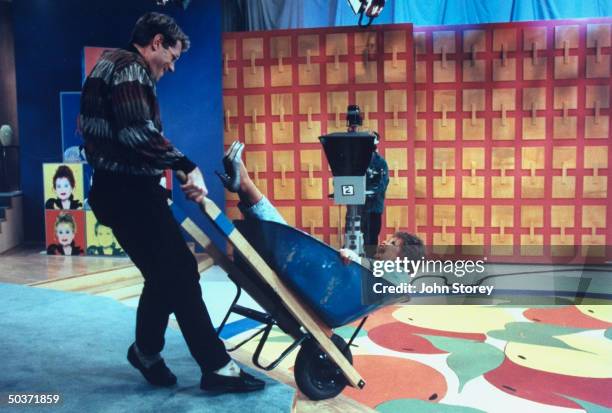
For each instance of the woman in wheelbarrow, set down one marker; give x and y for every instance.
(254, 205)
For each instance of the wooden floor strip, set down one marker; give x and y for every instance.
(108, 280)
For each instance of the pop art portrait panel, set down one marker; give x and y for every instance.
(63, 185)
(65, 232)
(100, 238)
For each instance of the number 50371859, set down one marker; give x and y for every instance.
(33, 398)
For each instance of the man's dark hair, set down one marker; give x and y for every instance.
(153, 23)
(412, 246)
(376, 137)
(63, 171)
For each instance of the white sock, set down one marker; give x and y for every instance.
(147, 361)
(231, 369)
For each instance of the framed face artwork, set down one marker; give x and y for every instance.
(65, 232)
(100, 238)
(63, 185)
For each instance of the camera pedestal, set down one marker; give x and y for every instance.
(353, 238)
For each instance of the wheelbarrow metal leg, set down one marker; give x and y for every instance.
(357, 330)
(283, 355)
(231, 308)
(243, 342)
(262, 317)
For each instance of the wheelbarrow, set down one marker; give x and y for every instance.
(304, 288)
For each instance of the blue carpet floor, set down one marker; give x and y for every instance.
(75, 344)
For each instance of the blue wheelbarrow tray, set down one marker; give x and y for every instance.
(338, 293)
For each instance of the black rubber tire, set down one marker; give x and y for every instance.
(315, 375)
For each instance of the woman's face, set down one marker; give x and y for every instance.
(63, 189)
(64, 234)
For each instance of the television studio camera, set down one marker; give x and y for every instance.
(349, 154)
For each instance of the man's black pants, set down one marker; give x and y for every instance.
(371, 224)
(136, 209)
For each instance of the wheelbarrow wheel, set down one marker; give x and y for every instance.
(315, 374)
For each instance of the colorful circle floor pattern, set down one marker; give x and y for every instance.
(471, 358)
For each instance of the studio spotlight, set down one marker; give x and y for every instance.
(183, 4)
(370, 8)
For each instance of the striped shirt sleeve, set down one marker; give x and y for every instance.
(134, 104)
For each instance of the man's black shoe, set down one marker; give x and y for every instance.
(216, 383)
(158, 374)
